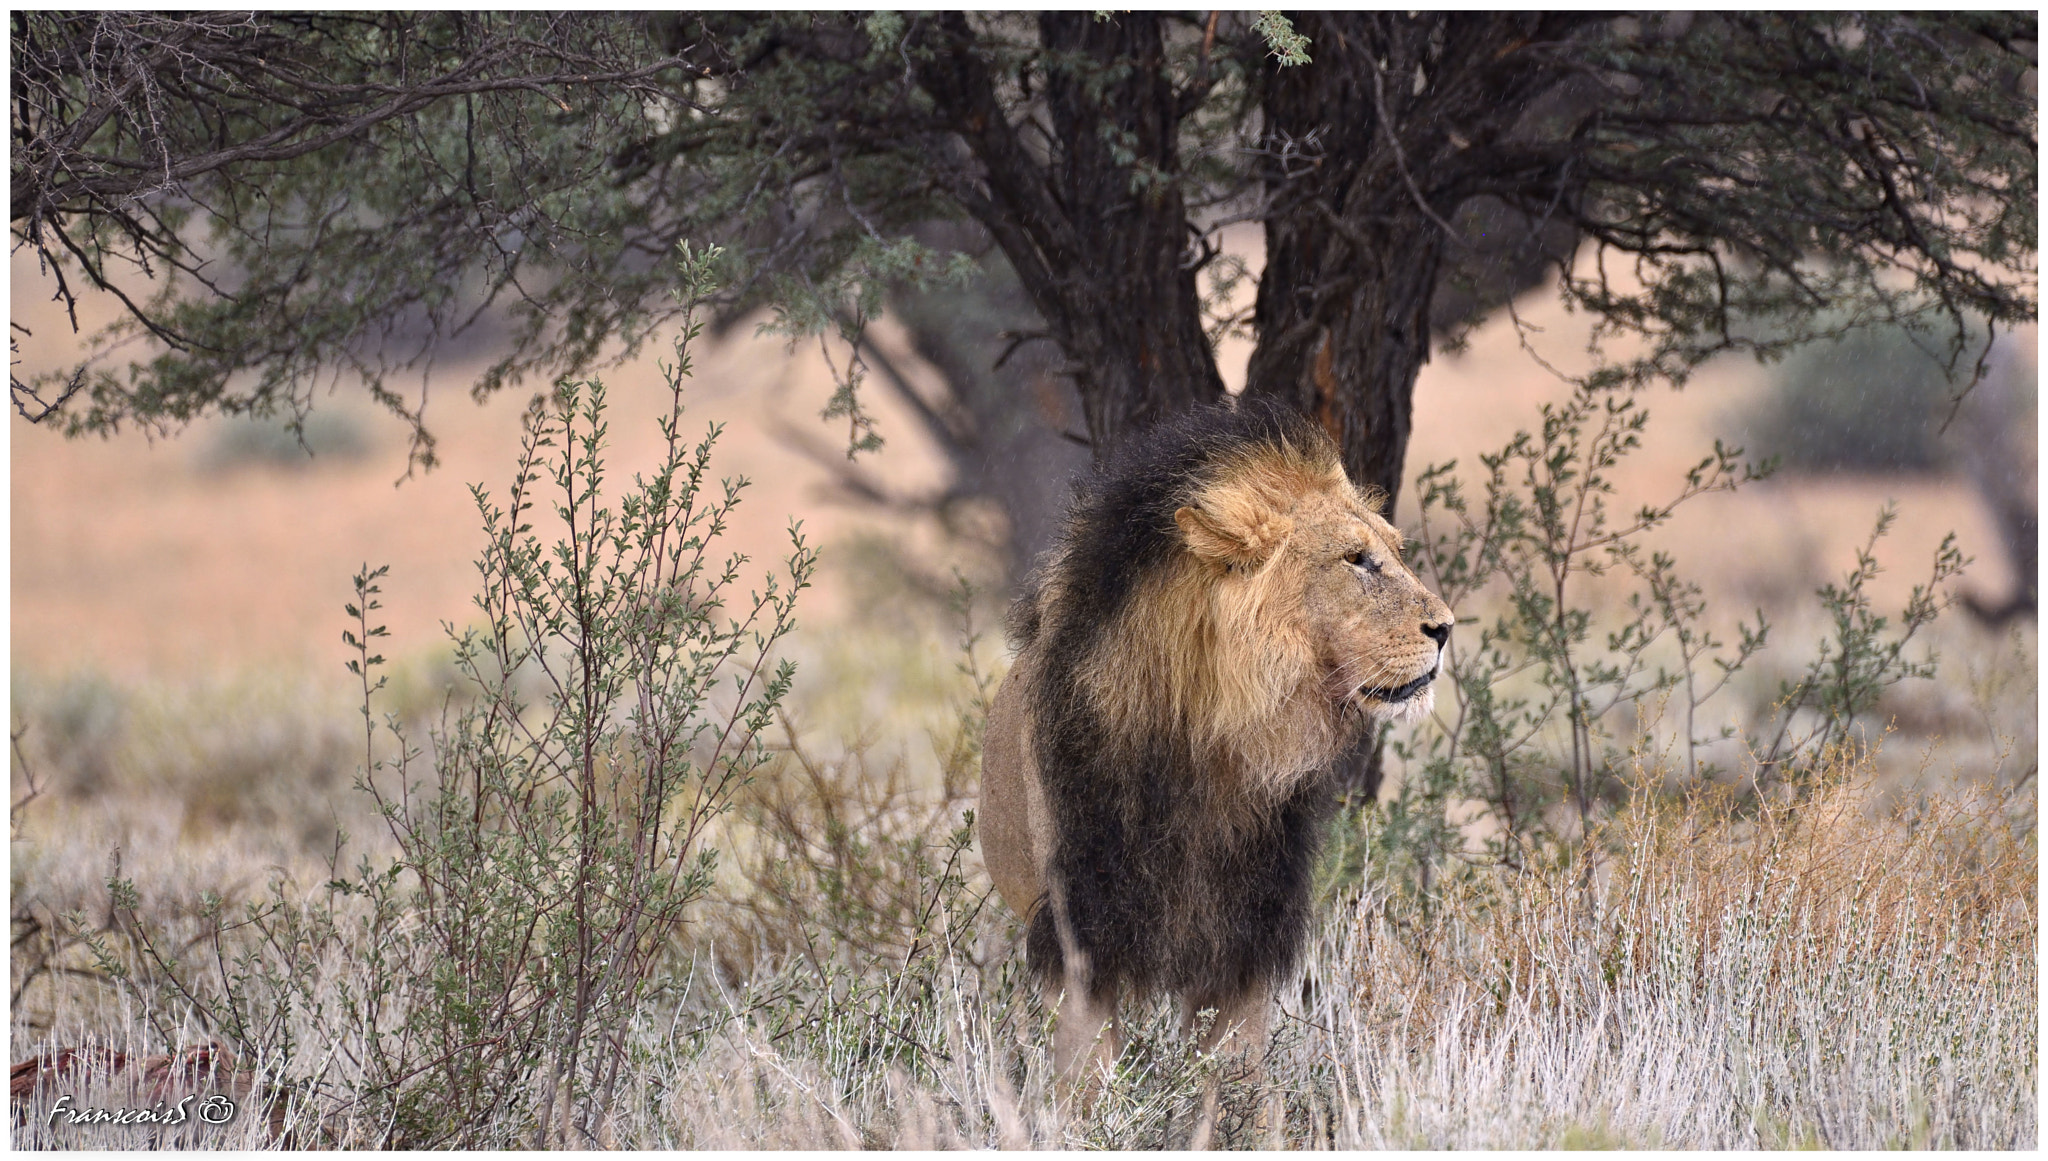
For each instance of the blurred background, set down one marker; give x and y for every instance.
(214, 564)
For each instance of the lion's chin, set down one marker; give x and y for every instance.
(1404, 703)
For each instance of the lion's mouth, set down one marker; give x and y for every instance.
(1395, 695)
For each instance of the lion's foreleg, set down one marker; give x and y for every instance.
(1089, 1037)
(1239, 1030)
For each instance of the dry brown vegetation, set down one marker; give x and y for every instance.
(1821, 974)
(1851, 967)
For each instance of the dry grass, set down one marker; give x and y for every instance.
(1852, 971)
(1824, 974)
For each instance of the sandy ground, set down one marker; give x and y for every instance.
(133, 558)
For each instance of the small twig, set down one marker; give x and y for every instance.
(1016, 340)
(28, 775)
(18, 389)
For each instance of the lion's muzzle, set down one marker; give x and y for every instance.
(1399, 693)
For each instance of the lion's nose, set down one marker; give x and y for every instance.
(1441, 634)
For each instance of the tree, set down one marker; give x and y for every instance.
(1748, 166)
(306, 188)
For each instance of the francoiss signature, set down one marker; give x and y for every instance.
(214, 1110)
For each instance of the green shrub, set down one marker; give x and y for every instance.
(1562, 693)
(1873, 399)
(549, 850)
(332, 434)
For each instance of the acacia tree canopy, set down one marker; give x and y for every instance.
(311, 195)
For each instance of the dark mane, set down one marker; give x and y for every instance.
(1121, 524)
(1157, 892)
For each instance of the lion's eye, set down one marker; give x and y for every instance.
(1360, 560)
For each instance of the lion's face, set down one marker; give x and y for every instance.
(1379, 632)
(1306, 556)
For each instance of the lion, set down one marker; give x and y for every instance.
(1220, 619)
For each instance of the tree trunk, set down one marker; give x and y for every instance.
(1358, 276)
(1097, 233)
(1366, 165)
(1354, 247)
(1384, 228)
(1352, 254)
(1371, 153)
(1344, 331)
(1139, 311)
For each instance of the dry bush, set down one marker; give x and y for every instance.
(1823, 973)
(837, 858)
(1853, 969)
(242, 753)
(837, 852)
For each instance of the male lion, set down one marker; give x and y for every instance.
(1223, 614)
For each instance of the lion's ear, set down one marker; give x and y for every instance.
(1235, 543)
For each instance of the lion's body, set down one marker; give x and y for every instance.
(1223, 613)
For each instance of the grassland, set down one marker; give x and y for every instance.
(1852, 968)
